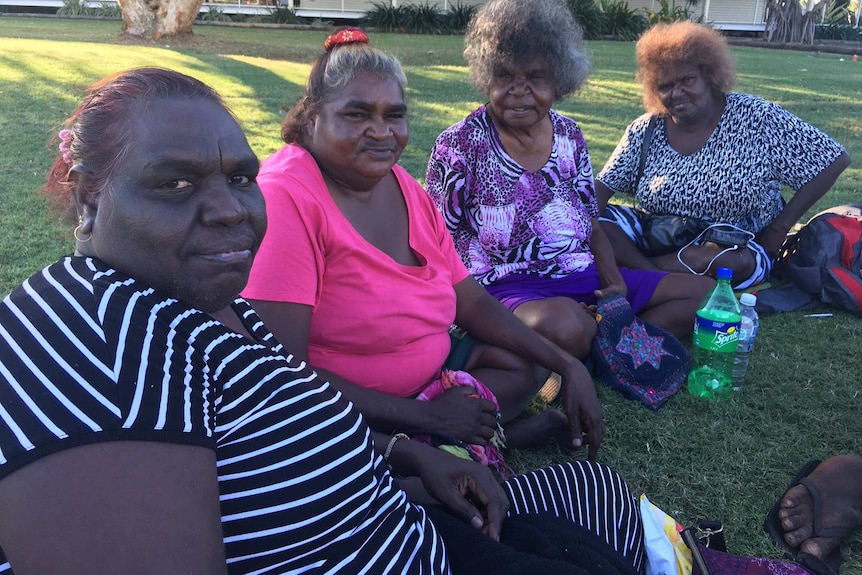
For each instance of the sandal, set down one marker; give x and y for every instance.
(830, 564)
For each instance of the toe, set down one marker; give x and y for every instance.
(820, 546)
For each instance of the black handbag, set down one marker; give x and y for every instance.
(666, 233)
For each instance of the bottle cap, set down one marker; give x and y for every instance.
(748, 299)
(724, 274)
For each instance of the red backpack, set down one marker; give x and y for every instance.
(824, 258)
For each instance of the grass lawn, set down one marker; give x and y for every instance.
(695, 459)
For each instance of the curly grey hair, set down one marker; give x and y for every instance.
(515, 32)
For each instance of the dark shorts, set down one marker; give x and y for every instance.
(462, 347)
(516, 289)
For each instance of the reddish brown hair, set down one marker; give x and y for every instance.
(669, 46)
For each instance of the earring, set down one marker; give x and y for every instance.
(77, 234)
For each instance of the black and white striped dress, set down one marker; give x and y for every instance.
(89, 355)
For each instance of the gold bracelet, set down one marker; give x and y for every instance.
(392, 443)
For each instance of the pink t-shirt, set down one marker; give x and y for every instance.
(375, 322)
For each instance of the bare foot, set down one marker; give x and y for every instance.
(537, 430)
(839, 481)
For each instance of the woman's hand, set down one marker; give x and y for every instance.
(459, 413)
(468, 489)
(581, 405)
(610, 278)
(617, 288)
(771, 238)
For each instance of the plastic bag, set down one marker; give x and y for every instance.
(667, 553)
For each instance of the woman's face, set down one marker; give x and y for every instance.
(360, 133)
(521, 95)
(685, 94)
(183, 212)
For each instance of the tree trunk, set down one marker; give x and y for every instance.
(157, 18)
(787, 21)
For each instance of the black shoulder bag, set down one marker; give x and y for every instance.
(666, 233)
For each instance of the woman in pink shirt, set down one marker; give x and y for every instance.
(358, 273)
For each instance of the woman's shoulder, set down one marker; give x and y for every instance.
(291, 177)
(748, 106)
(413, 192)
(68, 279)
(563, 123)
(476, 126)
(639, 124)
(291, 161)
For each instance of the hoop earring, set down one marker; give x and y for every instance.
(77, 234)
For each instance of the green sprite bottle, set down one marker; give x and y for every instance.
(716, 333)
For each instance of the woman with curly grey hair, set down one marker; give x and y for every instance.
(716, 157)
(502, 33)
(514, 183)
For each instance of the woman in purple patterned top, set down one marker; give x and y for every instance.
(515, 185)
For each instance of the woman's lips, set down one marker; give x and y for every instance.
(228, 256)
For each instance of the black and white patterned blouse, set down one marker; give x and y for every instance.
(736, 177)
(89, 355)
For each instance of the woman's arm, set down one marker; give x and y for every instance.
(131, 507)
(488, 320)
(773, 236)
(469, 419)
(610, 279)
(603, 196)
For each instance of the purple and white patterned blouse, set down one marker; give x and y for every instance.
(505, 219)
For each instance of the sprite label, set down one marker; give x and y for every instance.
(716, 330)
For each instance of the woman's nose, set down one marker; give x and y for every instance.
(224, 206)
(379, 129)
(518, 87)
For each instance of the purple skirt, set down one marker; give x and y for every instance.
(515, 289)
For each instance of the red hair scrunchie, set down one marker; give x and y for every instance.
(346, 36)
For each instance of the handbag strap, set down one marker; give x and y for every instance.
(648, 134)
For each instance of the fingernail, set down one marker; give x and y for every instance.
(476, 522)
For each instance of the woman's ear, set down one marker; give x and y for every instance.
(86, 200)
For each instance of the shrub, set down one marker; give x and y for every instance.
(669, 12)
(214, 14)
(385, 17)
(282, 15)
(844, 32)
(622, 22)
(108, 9)
(422, 18)
(589, 16)
(74, 8)
(456, 19)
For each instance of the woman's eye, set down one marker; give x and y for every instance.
(176, 185)
(240, 180)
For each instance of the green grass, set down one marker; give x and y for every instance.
(695, 459)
